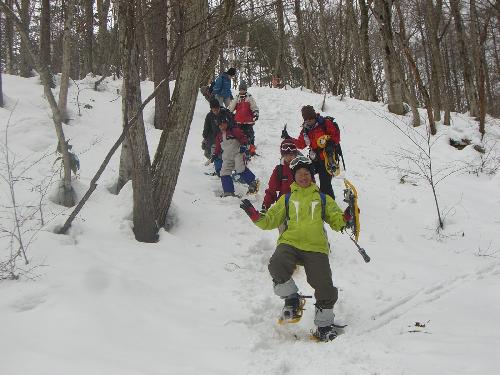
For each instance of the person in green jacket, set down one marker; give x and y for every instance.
(303, 242)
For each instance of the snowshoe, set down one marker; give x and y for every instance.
(331, 161)
(229, 194)
(331, 164)
(351, 198)
(292, 311)
(253, 187)
(324, 334)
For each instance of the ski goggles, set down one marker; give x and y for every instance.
(300, 160)
(291, 148)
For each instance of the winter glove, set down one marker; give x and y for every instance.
(250, 210)
(349, 220)
(243, 149)
(263, 209)
(255, 116)
(285, 135)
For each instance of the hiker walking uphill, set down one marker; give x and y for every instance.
(231, 145)
(305, 242)
(222, 87)
(246, 112)
(318, 133)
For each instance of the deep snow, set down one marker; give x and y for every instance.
(201, 300)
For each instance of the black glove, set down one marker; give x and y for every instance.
(250, 210)
(256, 115)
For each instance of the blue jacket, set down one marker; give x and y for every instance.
(222, 86)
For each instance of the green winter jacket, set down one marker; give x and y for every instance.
(305, 228)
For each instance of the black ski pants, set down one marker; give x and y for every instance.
(317, 267)
(325, 178)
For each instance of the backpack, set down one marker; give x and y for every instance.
(337, 149)
(287, 212)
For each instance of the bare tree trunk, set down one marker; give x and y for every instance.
(88, 62)
(1, 87)
(219, 33)
(280, 55)
(9, 42)
(325, 45)
(149, 34)
(102, 37)
(45, 38)
(160, 63)
(168, 158)
(479, 39)
(394, 91)
(415, 71)
(145, 228)
(66, 195)
(365, 51)
(431, 25)
(25, 64)
(463, 49)
(302, 48)
(66, 65)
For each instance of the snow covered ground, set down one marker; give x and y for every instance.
(200, 300)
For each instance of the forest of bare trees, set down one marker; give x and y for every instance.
(441, 55)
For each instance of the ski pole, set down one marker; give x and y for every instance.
(362, 251)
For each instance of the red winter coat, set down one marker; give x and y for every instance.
(323, 126)
(246, 109)
(277, 188)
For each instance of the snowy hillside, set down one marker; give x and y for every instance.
(200, 301)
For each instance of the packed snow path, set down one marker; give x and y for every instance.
(201, 300)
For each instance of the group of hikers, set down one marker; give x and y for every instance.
(292, 203)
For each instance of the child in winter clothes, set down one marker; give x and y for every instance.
(210, 128)
(303, 242)
(222, 87)
(281, 178)
(246, 111)
(231, 143)
(313, 128)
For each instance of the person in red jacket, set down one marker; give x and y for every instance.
(313, 128)
(246, 112)
(282, 177)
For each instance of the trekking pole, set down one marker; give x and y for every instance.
(362, 251)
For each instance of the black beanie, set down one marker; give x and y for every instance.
(308, 112)
(231, 72)
(214, 103)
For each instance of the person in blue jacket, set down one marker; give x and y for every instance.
(222, 87)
